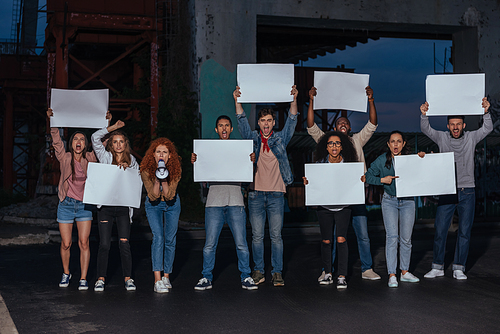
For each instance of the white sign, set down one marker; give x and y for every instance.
(79, 108)
(265, 83)
(223, 160)
(110, 185)
(455, 94)
(431, 175)
(335, 184)
(340, 90)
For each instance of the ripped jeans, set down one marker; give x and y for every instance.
(106, 215)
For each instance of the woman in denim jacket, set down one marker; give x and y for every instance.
(398, 213)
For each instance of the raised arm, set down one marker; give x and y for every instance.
(371, 102)
(239, 107)
(310, 109)
(57, 142)
(425, 126)
(487, 126)
(293, 106)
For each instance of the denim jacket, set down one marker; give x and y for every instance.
(277, 142)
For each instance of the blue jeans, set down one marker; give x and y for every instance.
(360, 225)
(398, 213)
(236, 217)
(446, 207)
(163, 218)
(271, 203)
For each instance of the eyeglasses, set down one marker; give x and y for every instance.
(334, 143)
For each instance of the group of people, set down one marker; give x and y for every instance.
(272, 174)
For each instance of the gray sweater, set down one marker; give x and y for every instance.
(463, 147)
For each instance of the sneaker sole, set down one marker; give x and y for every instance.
(278, 284)
(371, 278)
(434, 276)
(99, 289)
(393, 286)
(83, 288)
(409, 281)
(249, 287)
(202, 288)
(130, 289)
(325, 282)
(459, 279)
(63, 285)
(341, 287)
(161, 291)
(262, 280)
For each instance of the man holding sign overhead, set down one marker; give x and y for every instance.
(463, 145)
(272, 175)
(359, 213)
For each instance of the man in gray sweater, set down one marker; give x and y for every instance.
(463, 145)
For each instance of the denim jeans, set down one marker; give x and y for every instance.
(360, 225)
(163, 218)
(106, 215)
(446, 207)
(271, 203)
(398, 213)
(235, 217)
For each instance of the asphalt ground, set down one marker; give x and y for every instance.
(29, 277)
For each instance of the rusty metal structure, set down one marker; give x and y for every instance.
(88, 45)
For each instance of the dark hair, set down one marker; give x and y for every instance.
(338, 119)
(126, 152)
(462, 117)
(348, 151)
(266, 111)
(405, 150)
(223, 117)
(70, 150)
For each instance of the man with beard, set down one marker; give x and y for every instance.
(463, 145)
(359, 212)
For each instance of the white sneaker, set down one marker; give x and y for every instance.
(459, 274)
(409, 277)
(434, 273)
(370, 274)
(160, 287)
(166, 281)
(327, 279)
(393, 282)
(322, 276)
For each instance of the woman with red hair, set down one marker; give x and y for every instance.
(163, 207)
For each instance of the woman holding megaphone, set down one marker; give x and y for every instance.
(161, 173)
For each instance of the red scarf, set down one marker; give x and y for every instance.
(264, 141)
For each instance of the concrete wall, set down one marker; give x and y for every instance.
(225, 30)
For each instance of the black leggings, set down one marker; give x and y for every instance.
(106, 215)
(327, 221)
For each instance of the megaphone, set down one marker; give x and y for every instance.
(161, 171)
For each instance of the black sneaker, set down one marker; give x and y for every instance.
(341, 283)
(203, 284)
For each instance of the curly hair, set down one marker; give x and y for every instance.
(348, 151)
(126, 152)
(388, 156)
(149, 164)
